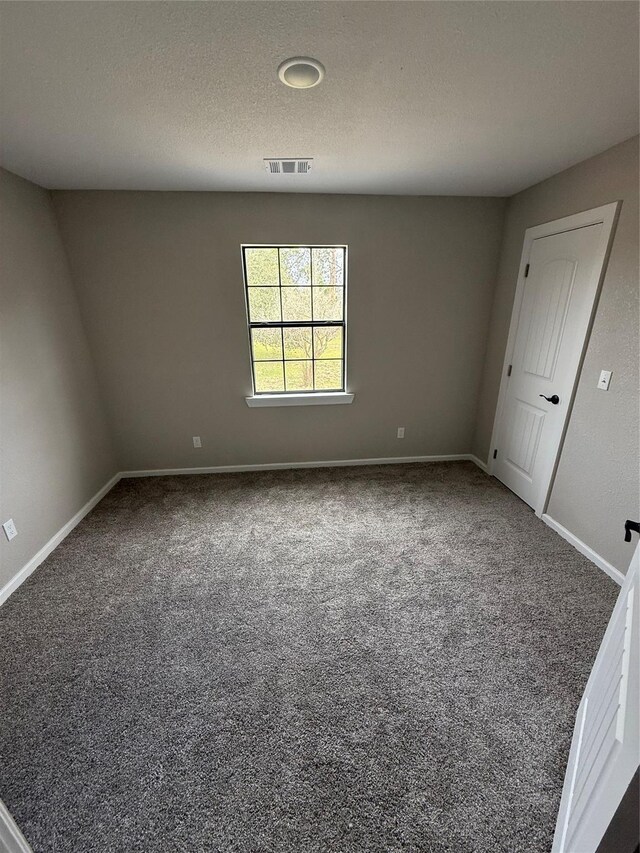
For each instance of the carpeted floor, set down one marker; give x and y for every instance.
(356, 659)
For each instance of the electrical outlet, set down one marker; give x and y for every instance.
(196, 441)
(605, 379)
(400, 432)
(10, 529)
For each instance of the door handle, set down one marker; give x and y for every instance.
(553, 399)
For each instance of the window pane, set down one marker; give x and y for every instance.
(262, 266)
(299, 375)
(297, 342)
(295, 267)
(328, 375)
(269, 376)
(266, 344)
(328, 266)
(264, 304)
(296, 303)
(327, 341)
(327, 303)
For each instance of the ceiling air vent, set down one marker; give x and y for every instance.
(288, 165)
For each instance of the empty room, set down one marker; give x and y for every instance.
(319, 426)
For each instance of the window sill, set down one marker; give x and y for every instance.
(332, 398)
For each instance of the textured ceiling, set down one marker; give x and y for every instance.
(453, 98)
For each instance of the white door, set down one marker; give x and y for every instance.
(11, 839)
(605, 750)
(557, 292)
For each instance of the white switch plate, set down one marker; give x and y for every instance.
(605, 379)
(10, 529)
(196, 441)
(400, 432)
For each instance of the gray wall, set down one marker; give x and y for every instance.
(596, 486)
(161, 291)
(55, 449)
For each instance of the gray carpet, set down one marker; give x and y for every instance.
(356, 659)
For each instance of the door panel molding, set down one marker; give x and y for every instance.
(605, 748)
(605, 215)
(11, 839)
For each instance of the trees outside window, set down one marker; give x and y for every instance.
(295, 306)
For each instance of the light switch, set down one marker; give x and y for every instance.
(605, 379)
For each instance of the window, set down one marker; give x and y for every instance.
(296, 313)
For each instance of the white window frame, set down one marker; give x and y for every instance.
(289, 398)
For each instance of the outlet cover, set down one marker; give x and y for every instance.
(605, 379)
(10, 529)
(400, 432)
(196, 441)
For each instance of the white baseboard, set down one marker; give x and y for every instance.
(277, 466)
(584, 549)
(55, 540)
(11, 839)
(482, 465)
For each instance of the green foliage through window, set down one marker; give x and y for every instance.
(295, 306)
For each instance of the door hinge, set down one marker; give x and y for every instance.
(495, 454)
(509, 370)
(526, 270)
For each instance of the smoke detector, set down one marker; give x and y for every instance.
(288, 165)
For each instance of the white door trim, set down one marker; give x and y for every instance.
(607, 214)
(11, 839)
(604, 768)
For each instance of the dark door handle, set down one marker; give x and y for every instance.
(628, 527)
(553, 399)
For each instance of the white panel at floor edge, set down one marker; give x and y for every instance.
(11, 839)
(605, 750)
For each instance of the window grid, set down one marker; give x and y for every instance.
(283, 324)
(313, 337)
